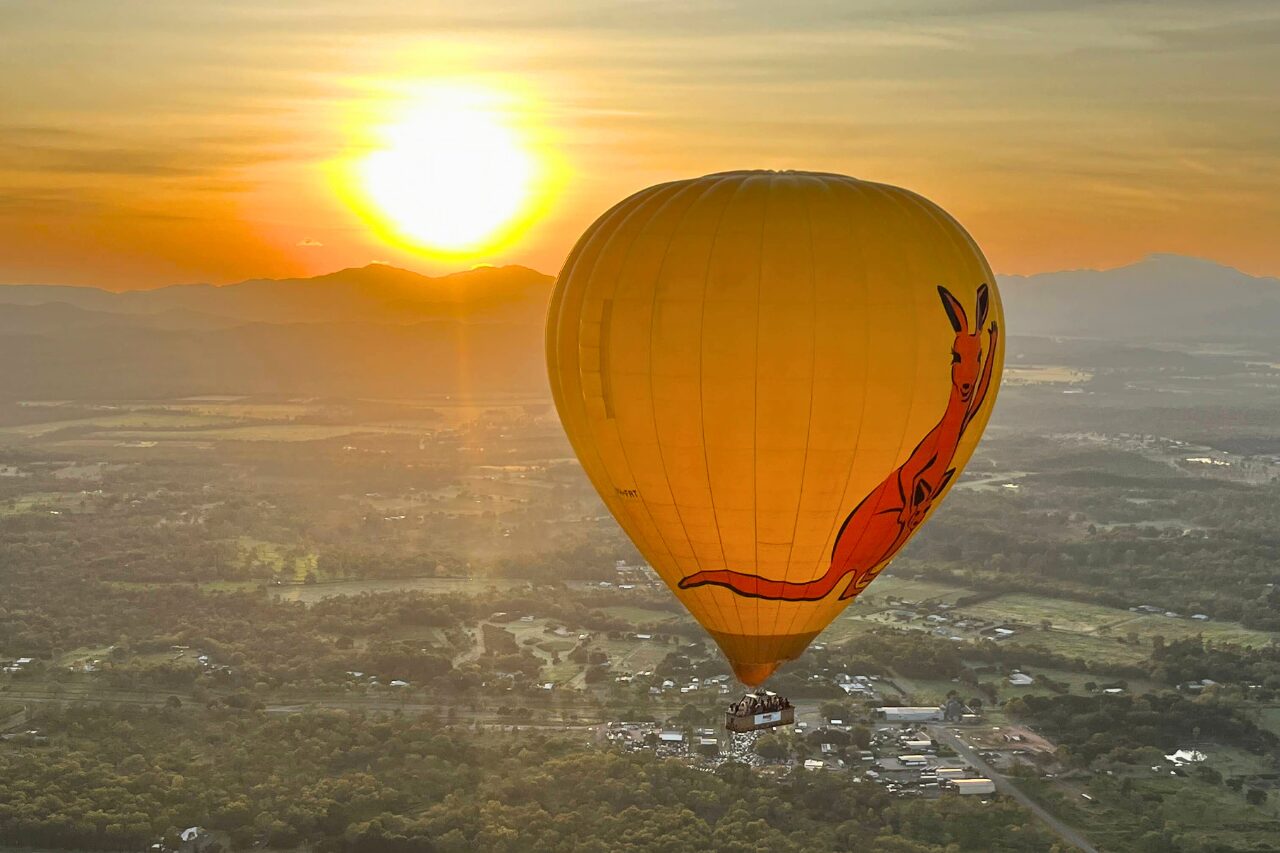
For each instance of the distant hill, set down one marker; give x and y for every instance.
(1161, 298)
(379, 331)
(376, 293)
(372, 331)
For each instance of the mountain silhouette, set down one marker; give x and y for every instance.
(375, 293)
(379, 331)
(372, 331)
(1160, 298)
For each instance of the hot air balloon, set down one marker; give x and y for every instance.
(772, 379)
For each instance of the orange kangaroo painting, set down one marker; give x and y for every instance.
(886, 518)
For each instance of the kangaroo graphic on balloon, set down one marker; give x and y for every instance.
(884, 520)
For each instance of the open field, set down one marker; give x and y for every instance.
(1078, 617)
(640, 616)
(112, 420)
(1048, 374)
(1220, 632)
(912, 590)
(634, 656)
(51, 502)
(927, 691)
(311, 593)
(1032, 610)
(1269, 718)
(1075, 680)
(256, 432)
(1087, 647)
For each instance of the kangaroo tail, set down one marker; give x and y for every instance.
(754, 586)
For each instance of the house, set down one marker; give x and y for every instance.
(1021, 679)
(907, 714)
(969, 787)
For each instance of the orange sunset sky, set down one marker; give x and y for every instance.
(145, 143)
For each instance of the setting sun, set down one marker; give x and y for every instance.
(450, 172)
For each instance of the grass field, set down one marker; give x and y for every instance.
(311, 593)
(632, 656)
(1222, 632)
(1075, 680)
(640, 616)
(1062, 614)
(1269, 718)
(54, 502)
(929, 691)
(1077, 617)
(845, 628)
(1054, 374)
(910, 589)
(257, 432)
(1088, 647)
(151, 419)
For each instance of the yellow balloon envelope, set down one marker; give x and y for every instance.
(772, 379)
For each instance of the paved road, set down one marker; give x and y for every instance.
(1006, 787)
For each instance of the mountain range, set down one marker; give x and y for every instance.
(379, 331)
(1165, 298)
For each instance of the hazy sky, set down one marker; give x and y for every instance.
(146, 142)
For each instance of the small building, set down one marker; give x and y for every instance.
(910, 714)
(671, 736)
(1021, 679)
(814, 764)
(969, 787)
(913, 760)
(951, 772)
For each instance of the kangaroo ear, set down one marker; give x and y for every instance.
(984, 303)
(955, 311)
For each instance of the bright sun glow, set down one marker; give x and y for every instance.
(450, 173)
